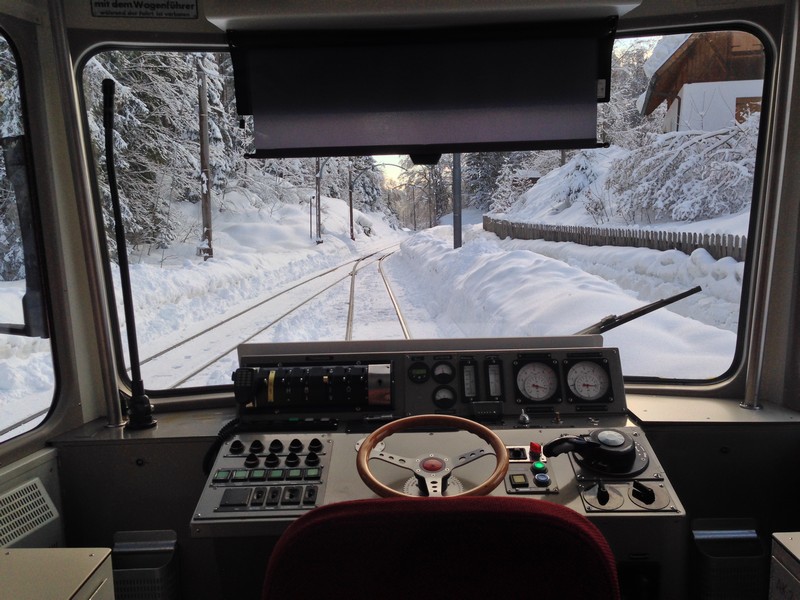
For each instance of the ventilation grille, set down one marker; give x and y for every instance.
(24, 510)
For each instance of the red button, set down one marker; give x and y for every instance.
(536, 451)
(432, 465)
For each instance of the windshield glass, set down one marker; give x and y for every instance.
(27, 377)
(225, 250)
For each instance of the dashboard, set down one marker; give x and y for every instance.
(557, 404)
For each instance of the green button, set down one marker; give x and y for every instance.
(294, 474)
(222, 475)
(539, 467)
(258, 474)
(240, 474)
(275, 475)
(313, 473)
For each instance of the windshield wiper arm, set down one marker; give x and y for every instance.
(612, 321)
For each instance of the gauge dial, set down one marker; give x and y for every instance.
(419, 372)
(588, 380)
(537, 381)
(444, 397)
(443, 372)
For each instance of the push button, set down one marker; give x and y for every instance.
(274, 496)
(240, 474)
(313, 474)
(541, 479)
(275, 475)
(538, 467)
(259, 495)
(292, 495)
(222, 476)
(294, 474)
(519, 480)
(235, 497)
(258, 475)
(310, 495)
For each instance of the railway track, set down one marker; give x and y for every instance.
(274, 316)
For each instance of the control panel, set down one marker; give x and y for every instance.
(263, 476)
(484, 380)
(557, 405)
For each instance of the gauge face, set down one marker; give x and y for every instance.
(443, 372)
(537, 381)
(588, 380)
(444, 397)
(419, 372)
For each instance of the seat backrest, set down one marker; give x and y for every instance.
(444, 548)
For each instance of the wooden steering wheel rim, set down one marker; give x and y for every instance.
(483, 432)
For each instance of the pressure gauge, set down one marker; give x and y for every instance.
(537, 381)
(588, 380)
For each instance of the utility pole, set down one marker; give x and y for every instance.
(320, 166)
(205, 249)
(456, 200)
(350, 188)
(431, 198)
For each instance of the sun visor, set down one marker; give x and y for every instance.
(348, 93)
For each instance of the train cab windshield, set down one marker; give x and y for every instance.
(226, 249)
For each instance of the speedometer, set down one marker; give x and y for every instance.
(537, 381)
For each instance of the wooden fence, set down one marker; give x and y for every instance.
(717, 245)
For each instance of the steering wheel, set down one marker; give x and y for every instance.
(432, 470)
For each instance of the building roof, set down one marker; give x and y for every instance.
(702, 57)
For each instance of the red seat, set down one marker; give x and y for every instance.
(444, 548)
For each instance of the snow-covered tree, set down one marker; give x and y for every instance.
(619, 121)
(12, 264)
(480, 171)
(687, 175)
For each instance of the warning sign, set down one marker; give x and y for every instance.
(150, 9)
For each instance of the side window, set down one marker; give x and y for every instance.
(27, 379)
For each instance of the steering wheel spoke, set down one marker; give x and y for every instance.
(432, 485)
(393, 459)
(468, 457)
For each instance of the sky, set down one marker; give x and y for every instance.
(489, 287)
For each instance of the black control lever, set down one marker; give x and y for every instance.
(569, 443)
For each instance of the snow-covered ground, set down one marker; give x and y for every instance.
(489, 287)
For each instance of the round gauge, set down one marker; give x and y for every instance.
(444, 397)
(588, 380)
(443, 372)
(537, 381)
(419, 372)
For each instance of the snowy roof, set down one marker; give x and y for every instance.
(662, 51)
(699, 57)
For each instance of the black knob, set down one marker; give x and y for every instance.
(312, 460)
(276, 446)
(602, 494)
(292, 460)
(272, 460)
(257, 447)
(315, 445)
(251, 460)
(295, 445)
(237, 447)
